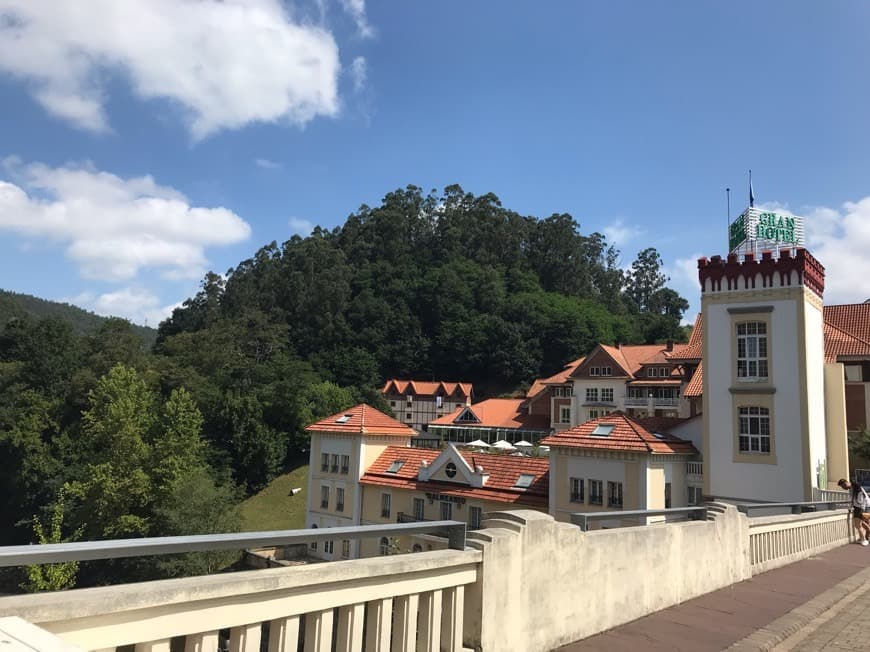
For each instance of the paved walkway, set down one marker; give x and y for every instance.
(810, 603)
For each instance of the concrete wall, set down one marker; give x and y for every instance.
(544, 584)
(780, 476)
(835, 424)
(813, 349)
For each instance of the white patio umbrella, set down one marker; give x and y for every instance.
(478, 443)
(524, 444)
(503, 445)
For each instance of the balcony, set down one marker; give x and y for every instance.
(657, 401)
(695, 472)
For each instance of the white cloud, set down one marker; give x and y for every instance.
(359, 73)
(618, 233)
(267, 164)
(357, 11)
(840, 239)
(140, 306)
(683, 275)
(226, 63)
(299, 226)
(113, 227)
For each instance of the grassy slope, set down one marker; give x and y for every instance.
(274, 508)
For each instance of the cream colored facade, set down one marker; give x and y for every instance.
(645, 481)
(771, 436)
(333, 484)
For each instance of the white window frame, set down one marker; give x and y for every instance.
(594, 371)
(339, 499)
(475, 514)
(564, 414)
(420, 513)
(324, 462)
(606, 371)
(345, 464)
(576, 488)
(596, 492)
(592, 395)
(345, 548)
(753, 430)
(446, 510)
(615, 497)
(753, 347)
(607, 395)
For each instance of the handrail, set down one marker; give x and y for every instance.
(792, 508)
(583, 519)
(50, 553)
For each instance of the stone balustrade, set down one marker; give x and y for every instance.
(523, 582)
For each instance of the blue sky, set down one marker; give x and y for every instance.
(170, 138)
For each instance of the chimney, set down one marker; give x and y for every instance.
(670, 345)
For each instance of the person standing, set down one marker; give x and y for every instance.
(859, 503)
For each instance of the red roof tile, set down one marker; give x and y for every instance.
(556, 379)
(362, 420)
(497, 413)
(503, 470)
(427, 388)
(694, 348)
(627, 435)
(851, 318)
(695, 387)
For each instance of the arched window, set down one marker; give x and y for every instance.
(314, 543)
(417, 548)
(385, 546)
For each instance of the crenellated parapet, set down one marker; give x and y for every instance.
(732, 274)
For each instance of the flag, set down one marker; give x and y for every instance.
(751, 194)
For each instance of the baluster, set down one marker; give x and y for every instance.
(453, 605)
(318, 631)
(378, 625)
(204, 642)
(350, 628)
(153, 646)
(405, 623)
(430, 622)
(284, 634)
(245, 638)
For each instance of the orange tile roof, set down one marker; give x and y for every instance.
(363, 420)
(627, 435)
(497, 413)
(630, 357)
(503, 470)
(427, 388)
(556, 379)
(695, 387)
(693, 349)
(851, 318)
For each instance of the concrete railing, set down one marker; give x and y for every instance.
(775, 541)
(829, 494)
(415, 601)
(524, 582)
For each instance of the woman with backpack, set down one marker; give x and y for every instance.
(860, 505)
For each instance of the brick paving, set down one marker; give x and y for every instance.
(722, 618)
(842, 631)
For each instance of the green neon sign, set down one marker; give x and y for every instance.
(776, 228)
(737, 233)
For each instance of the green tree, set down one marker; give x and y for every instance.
(115, 489)
(52, 577)
(179, 448)
(645, 279)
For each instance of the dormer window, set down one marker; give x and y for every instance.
(439, 401)
(409, 399)
(652, 372)
(603, 430)
(396, 466)
(524, 481)
(606, 371)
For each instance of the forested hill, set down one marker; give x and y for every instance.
(111, 439)
(14, 305)
(440, 286)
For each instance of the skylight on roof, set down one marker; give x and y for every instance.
(396, 466)
(659, 435)
(603, 429)
(524, 481)
(344, 419)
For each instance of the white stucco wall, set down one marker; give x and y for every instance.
(691, 430)
(780, 482)
(815, 368)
